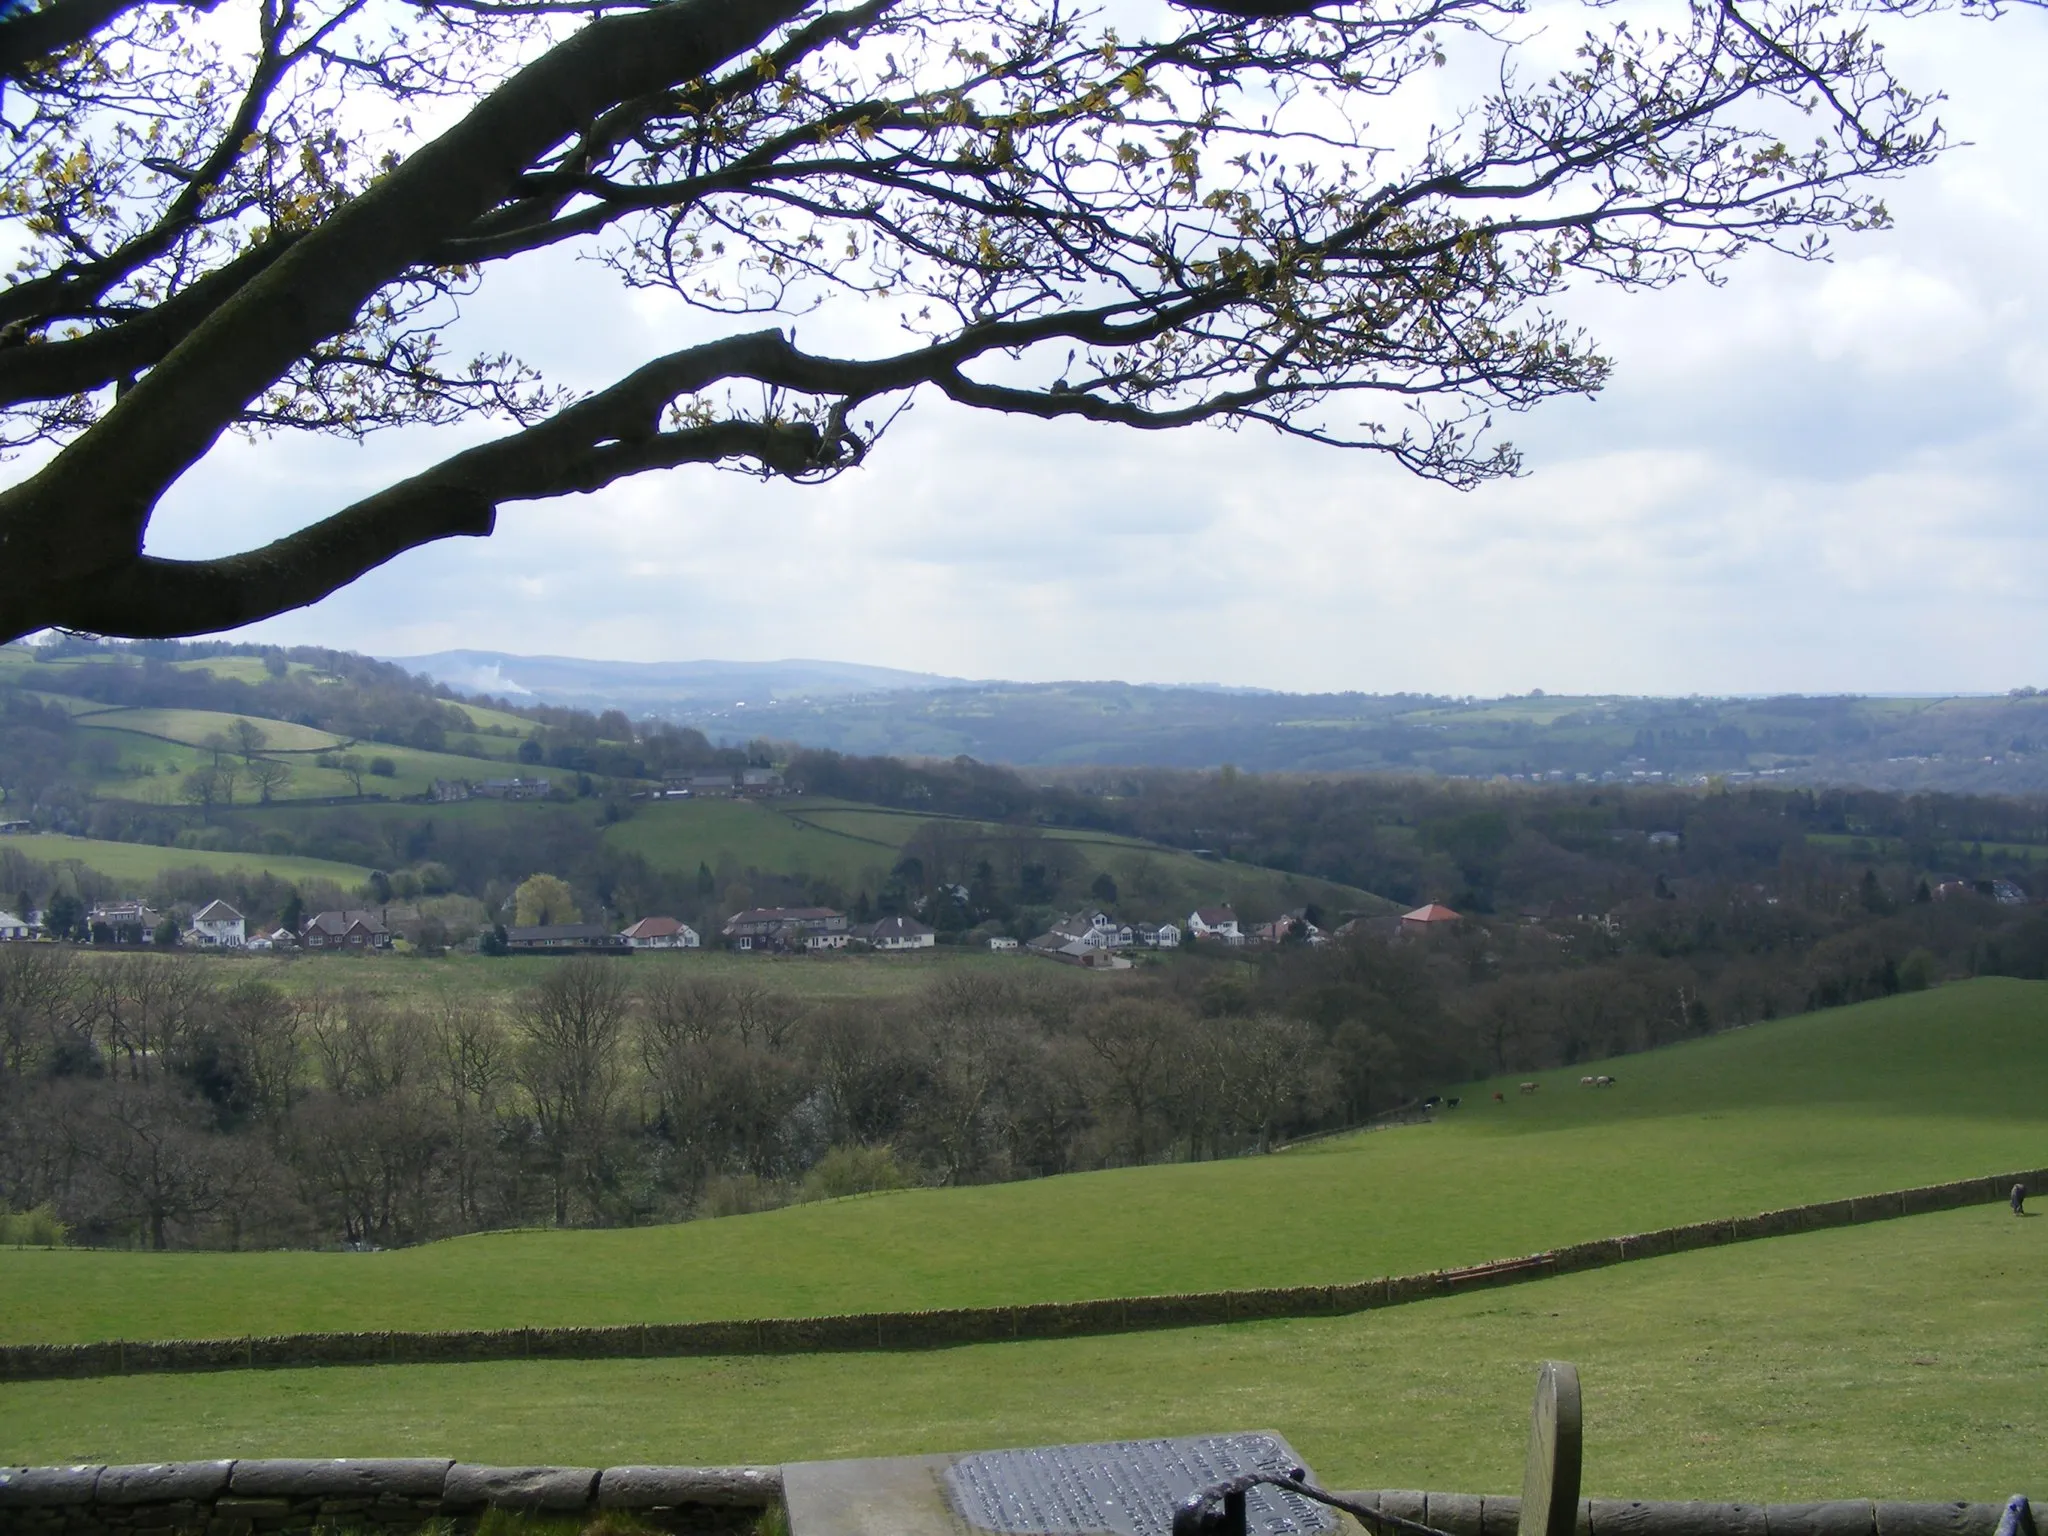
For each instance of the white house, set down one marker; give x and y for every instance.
(1002, 945)
(661, 933)
(13, 928)
(219, 923)
(1095, 930)
(1218, 923)
(1157, 935)
(902, 933)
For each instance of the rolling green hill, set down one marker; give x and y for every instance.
(141, 862)
(1911, 1090)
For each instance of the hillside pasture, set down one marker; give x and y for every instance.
(140, 863)
(1911, 1090)
(192, 727)
(1903, 1360)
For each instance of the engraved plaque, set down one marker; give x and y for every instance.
(1125, 1487)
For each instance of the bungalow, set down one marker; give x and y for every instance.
(560, 937)
(220, 924)
(1157, 935)
(1218, 924)
(1433, 917)
(351, 929)
(786, 928)
(895, 933)
(660, 933)
(13, 928)
(1070, 951)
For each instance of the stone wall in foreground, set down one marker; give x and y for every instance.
(390, 1497)
(275, 1498)
(1469, 1514)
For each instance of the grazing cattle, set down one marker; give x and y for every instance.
(1431, 1102)
(1450, 1103)
(1500, 1098)
(1587, 1082)
(1603, 1081)
(1527, 1087)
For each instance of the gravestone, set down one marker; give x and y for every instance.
(1115, 1488)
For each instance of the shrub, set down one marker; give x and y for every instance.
(855, 1171)
(383, 768)
(38, 1228)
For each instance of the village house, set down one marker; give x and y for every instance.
(123, 922)
(760, 781)
(219, 924)
(786, 928)
(14, 929)
(698, 785)
(660, 933)
(894, 933)
(1156, 935)
(1216, 924)
(565, 937)
(1095, 930)
(446, 791)
(516, 789)
(352, 929)
(1433, 917)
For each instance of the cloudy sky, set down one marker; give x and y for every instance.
(1816, 478)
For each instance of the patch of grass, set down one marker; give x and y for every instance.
(1903, 1360)
(1910, 1090)
(143, 862)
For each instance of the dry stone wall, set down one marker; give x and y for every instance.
(1465, 1514)
(970, 1325)
(280, 1498)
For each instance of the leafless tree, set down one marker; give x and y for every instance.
(570, 1061)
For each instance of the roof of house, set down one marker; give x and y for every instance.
(575, 933)
(1433, 912)
(216, 912)
(900, 928)
(338, 923)
(654, 928)
(9, 920)
(782, 915)
(1215, 917)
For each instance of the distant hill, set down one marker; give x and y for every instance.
(1970, 744)
(666, 688)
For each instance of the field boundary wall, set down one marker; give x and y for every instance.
(971, 1325)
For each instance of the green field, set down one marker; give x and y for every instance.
(142, 862)
(1911, 1090)
(193, 726)
(1905, 1360)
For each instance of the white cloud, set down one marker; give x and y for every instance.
(1817, 477)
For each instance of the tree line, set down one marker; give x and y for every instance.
(161, 1100)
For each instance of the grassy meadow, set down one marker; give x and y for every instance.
(1905, 1360)
(1909, 1090)
(144, 862)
